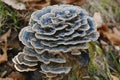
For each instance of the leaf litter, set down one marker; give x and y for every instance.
(3, 46)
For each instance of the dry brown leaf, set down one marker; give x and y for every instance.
(36, 4)
(70, 1)
(113, 37)
(14, 40)
(5, 36)
(77, 2)
(15, 4)
(58, 1)
(114, 77)
(103, 28)
(31, 0)
(3, 46)
(27, 4)
(115, 30)
(98, 19)
(3, 58)
(16, 76)
(6, 79)
(118, 1)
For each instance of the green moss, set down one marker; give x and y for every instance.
(9, 18)
(105, 3)
(117, 65)
(117, 12)
(94, 67)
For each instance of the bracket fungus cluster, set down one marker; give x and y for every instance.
(52, 32)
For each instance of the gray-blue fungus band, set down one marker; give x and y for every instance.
(52, 31)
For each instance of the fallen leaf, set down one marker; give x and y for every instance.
(16, 76)
(114, 77)
(14, 40)
(36, 4)
(31, 0)
(115, 30)
(3, 46)
(5, 36)
(15, 4)
(3, 58)
(113, 37)
(58, 2)
(104, 28)
(70, 1)
(77, 2)
(118, 1)
(6, 44)
(98, 19)
(6, 79)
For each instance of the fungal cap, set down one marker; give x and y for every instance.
(23, 68)
(60, 70)
(21, 60)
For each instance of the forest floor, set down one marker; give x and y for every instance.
(104, 54)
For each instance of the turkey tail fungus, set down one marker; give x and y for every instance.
(54, 36)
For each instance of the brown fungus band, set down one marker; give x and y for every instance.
(52, 31)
